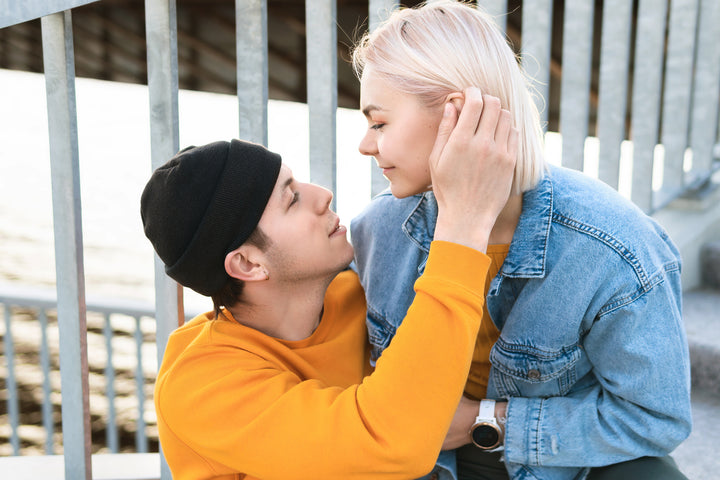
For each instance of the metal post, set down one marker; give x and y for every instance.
(379, 10)
(320, 16)
(64, 162)
(252, 69)
(613, 85)
(536, 35)
(161, 31)
(575, 88)
(649, 48)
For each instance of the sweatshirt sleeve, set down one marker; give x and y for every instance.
(261, 419)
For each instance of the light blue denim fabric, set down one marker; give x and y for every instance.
(592, 354)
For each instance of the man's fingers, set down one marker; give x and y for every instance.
(470, 115)
(502, 131)
(489, 119)
(445, 129)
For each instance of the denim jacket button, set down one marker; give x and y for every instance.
(534, 374)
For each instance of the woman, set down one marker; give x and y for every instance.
(586, 355)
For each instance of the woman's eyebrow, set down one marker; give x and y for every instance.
(369, 109)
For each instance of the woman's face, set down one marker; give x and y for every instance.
(401, 134)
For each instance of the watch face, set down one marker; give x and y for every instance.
(485, 436)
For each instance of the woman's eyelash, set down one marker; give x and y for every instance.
(296, 197)
(377, 126)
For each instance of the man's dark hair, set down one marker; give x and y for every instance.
(230, 293)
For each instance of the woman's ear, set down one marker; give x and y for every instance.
(457, 99)
(241, 264)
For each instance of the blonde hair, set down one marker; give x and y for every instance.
(446, 46)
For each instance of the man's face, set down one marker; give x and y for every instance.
(401, 134)
(306, 238)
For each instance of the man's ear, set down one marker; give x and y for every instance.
(242, 264)
(457, 99)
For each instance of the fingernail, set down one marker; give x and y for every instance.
(448, 109)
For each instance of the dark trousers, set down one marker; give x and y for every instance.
(474, 464)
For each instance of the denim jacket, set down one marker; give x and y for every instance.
(592, 355)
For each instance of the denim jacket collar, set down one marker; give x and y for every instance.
(526, 257)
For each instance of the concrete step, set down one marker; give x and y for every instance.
(698, 456)
(701, 313)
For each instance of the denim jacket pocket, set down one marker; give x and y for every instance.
(380, 332)
(526, 371)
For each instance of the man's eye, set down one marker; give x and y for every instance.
(296, 197)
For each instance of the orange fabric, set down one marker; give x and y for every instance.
(477, 382)
(234, 403)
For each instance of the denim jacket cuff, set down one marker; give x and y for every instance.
(523, 431)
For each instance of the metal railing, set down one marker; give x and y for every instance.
(673, 78)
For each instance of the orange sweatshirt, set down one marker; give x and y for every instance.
(233, 403)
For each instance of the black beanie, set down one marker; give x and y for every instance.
(204, 203)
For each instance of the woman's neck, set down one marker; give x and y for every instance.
(504, 229)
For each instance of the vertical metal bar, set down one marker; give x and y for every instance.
(11, 384)
(161, 32)
(67, 219)
(496, 8)
(613, 86)
(320, 17)
(140, 436)
(252, 69)
(647, 80)
(536, 41)
(47, 407)
(677, 95)
(379, 11)
(706, 93)
(575, 87)
(111, 432)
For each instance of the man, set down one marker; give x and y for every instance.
(276, 383)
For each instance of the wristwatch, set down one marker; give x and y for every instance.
(485, 432)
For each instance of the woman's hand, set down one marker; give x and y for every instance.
(472, 166)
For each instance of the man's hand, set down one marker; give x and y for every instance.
(472, 166)
(467, 410)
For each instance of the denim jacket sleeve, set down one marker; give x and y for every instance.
(638, 405)
(592, 354)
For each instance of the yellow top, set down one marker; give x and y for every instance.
(233, 403)
(477, 382)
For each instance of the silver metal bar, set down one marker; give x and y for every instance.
(59, 65)
(111, 430)
(536, 35)
(161, 32)
(649, 47)
(496, 8)
(13, 11)
(379, 11)
(613, 86)
(575, 87)
(47, 406)
(320, 17)
(677, 95)
(252, 69)
(141, 443)
(705, 121)
(11, 384)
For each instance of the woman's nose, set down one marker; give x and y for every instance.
(368, 145)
